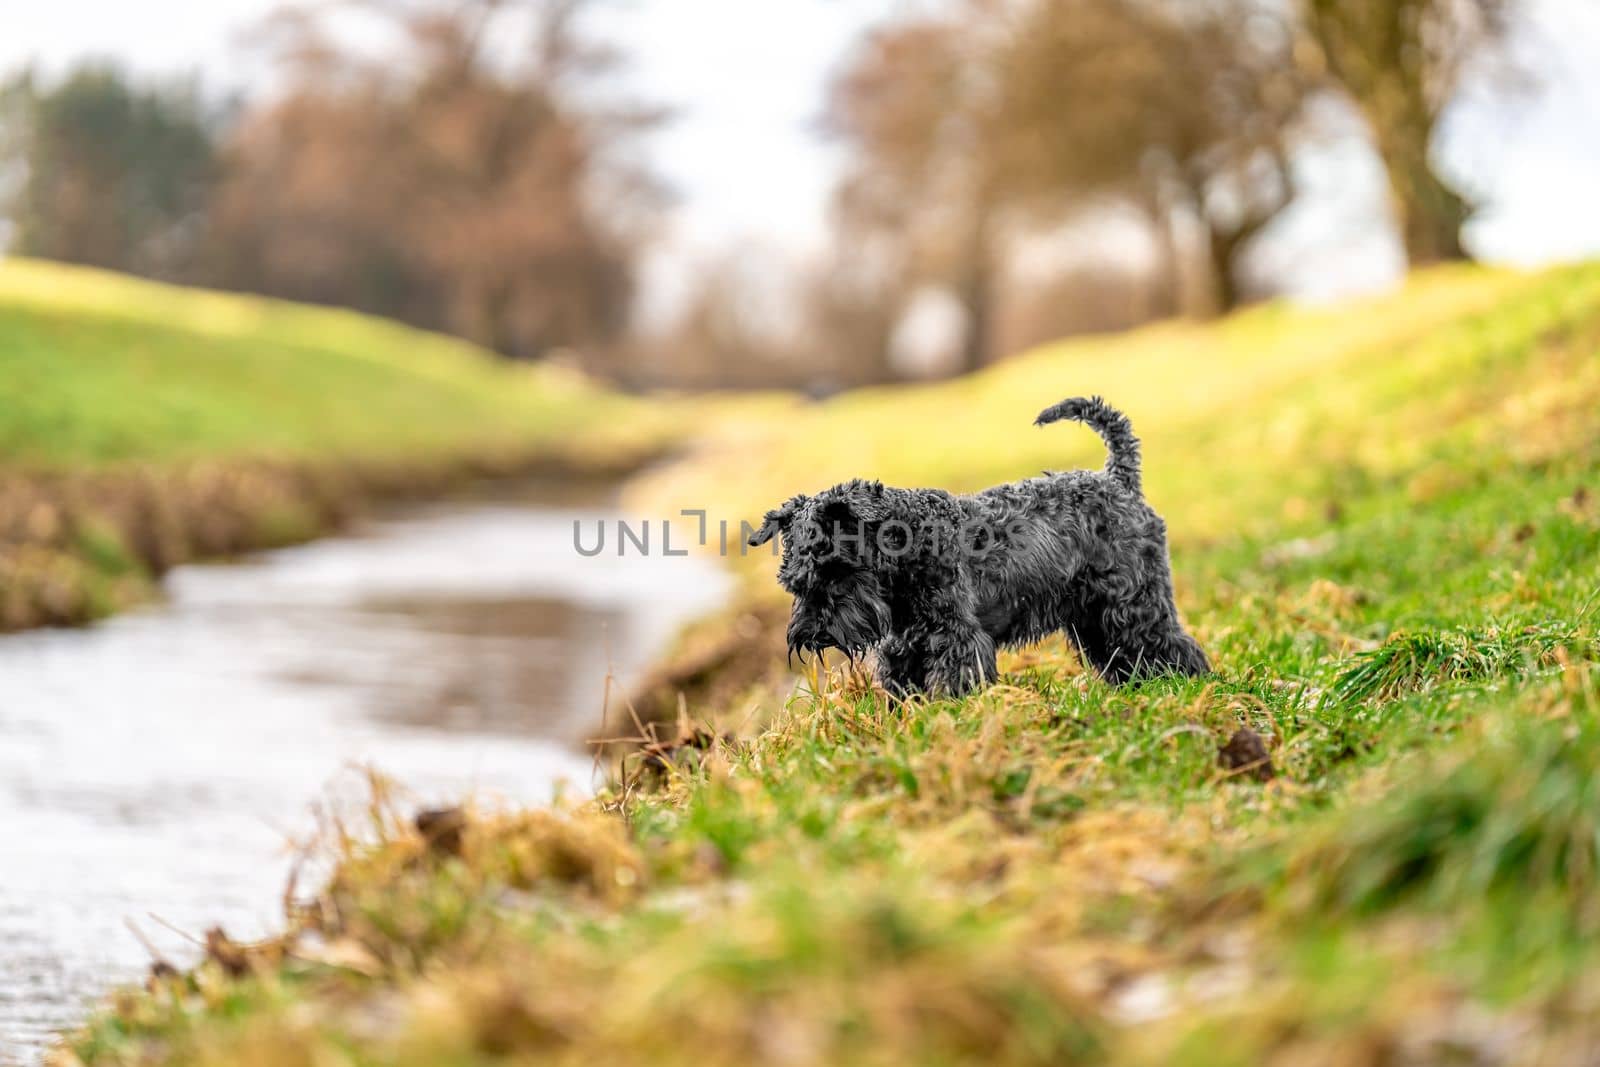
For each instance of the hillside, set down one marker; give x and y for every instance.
(1387, 535)
(102, 368)
(142, 425)
(1246, 424)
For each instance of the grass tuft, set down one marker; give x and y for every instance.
(1516, 813)
(1413, 662)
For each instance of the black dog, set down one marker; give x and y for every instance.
(933, 583)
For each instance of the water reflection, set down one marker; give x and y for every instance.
(159, 762)
(517, 666)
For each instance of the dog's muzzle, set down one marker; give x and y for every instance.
(810, 638)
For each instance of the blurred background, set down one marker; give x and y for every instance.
(584, 203)
(809, 194)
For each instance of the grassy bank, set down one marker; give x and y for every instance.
(1386, 532)
(144, 424)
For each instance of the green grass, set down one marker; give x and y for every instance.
(1385, 531)
(142, 425)
(102, 369)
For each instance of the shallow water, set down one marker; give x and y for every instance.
(159, 764)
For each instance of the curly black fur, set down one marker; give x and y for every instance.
(933, 583)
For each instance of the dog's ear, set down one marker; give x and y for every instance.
(777, 520)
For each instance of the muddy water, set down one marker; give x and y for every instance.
(159, 763)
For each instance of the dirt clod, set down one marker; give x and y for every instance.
(1246, 753)
(161, 973)
(232, 957)
(442, 829)
(686, 748)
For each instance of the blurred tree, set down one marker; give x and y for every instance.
(959, 124)
(734, 329)
(852, 304)
(756, 316)
(913, 108)
(1402, 62)
(465, 182)
(108, 172)
(1189, 109)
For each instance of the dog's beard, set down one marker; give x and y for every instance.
(852, 625)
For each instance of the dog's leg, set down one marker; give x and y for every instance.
(961, 658)
(1141, 637)
(1169, 651)
(947, 653)
(1084, 626)
(960, 652)
(902, 666)
(946, 662)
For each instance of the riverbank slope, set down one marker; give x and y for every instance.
(144, 424)
(1369, 839)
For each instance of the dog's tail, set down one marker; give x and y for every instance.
(1122, 462)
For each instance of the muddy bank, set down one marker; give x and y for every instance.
(76, 546)
(727, 664)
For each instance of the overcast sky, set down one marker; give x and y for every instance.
(747, 77)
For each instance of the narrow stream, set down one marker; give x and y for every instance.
(158, 764)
